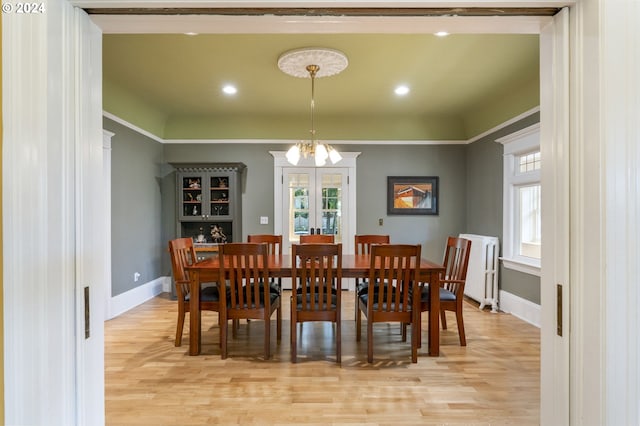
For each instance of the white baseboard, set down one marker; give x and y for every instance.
(519, 307)
(137, 296)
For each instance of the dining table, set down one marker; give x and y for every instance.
(353, 266)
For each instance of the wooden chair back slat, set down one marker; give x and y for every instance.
(317, 239)
(274, 242)
(363, 243)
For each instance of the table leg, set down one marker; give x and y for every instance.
(434, 315)
(194, 313)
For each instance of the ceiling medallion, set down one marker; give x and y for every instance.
(295, 62)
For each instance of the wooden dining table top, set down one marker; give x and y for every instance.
(353, 266)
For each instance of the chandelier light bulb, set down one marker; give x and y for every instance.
(334, 155)
(321, 155)
(293, 155)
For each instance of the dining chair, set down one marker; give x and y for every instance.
(183, 254)
(274, 247)
(317, 238)
(456, 261)
(245, 268)
(317, 273)
(393, 273)
(363, 245)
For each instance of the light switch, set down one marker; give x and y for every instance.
(264, 220)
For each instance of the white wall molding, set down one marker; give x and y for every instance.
(132, 126)
(331, 142)
(138, 295)
(520, 308)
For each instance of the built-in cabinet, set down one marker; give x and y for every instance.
(209, 202)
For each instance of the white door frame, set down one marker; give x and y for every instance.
(554, 147)
(596, 166)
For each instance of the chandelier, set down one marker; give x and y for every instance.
(312, 63)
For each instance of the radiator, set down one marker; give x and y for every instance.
(482, 273)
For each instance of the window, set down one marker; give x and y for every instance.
(522, 201)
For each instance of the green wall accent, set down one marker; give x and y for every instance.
(510, 102)
(327, 128)
(132, 109)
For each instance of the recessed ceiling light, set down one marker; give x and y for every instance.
(401, 90)
(229, 89)
(442, 33)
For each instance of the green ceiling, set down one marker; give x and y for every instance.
(461, 85)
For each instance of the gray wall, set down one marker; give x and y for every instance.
(144, 212)
(375, 163)
(484, 167)
(137, 243)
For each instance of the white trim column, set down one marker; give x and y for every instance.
(106, 193)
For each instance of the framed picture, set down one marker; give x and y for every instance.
(412, 195)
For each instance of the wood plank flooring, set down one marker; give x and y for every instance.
(494, 380)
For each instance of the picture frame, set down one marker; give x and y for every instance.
(412, 195)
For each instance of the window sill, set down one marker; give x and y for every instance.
(521, 266)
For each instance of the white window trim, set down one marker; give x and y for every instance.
(520, 142)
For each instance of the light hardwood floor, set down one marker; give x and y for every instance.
(494, 380)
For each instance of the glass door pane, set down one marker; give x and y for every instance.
(331, 202)
(299, 203)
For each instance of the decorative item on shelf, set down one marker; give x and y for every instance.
(222, 182)
(188, 196)
(201, 238)
(199, 197)
(217, 235)
(194, 183)
(195, 210)
(313, 63)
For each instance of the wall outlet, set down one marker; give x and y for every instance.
(136, 277)
(264, 220)
(380, 222)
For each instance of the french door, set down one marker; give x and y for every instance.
(314, 201)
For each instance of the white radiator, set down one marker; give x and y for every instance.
(482, 273)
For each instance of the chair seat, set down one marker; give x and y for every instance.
(333, 290)
(274, 287)
(207, 294)
(365, 297)
(363, 288)
(445, 294)
(272, 297)
(334, 301)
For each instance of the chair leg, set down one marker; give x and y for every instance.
(338, 341)
(414, 337)
(279, 322)
(223, 338)
(267, 338)
(443, 319)
(294, 342)
(463, 339)
(403, 331)
(358, 324)
(179, 327)
(369, 340)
